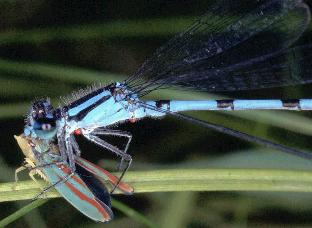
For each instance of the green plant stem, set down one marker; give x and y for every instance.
(21, 212)
(189, 180)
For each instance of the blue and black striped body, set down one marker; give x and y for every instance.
(115, 104)
(112, 105)
(232, 104)
(251, 51)
(108, 106)
(103, 107)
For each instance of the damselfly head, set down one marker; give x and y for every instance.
(41, 121)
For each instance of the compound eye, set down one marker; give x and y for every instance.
(37, 114)
(46, 127)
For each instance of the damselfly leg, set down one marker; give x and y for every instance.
(70, 152)
(75, 145)
(117, 133)
(124, 156)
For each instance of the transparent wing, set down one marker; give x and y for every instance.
(218, 52)
(280, 68)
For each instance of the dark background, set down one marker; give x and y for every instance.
(39, 38)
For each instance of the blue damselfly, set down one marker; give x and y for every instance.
(251, 52)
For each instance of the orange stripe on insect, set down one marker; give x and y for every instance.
(92, 202)
(74, 177)
(113, 179)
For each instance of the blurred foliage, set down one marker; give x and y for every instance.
(50, 48)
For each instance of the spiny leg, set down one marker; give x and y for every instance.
(75, 145)
(70, 154)
(104, 131)
(32, 174)
(30, 165)
(122, 154)
(108, 146)
(66, 142)
(66, 149)
(122, 174)
(61, 144)
(18, 170)
(36, 169)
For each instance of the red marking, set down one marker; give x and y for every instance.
(113, 179)
(74, 177)
(78, 132)
(79, 181)
(93, 202)
(64, 168)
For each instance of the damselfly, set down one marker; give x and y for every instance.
(251, 51)
(82, 188)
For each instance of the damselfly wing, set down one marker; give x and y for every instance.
(250, 51)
